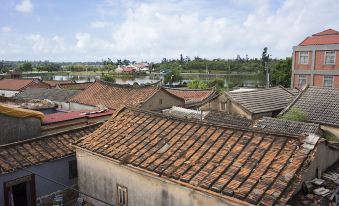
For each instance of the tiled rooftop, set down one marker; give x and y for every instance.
(249, 165)
(15, 84)
(54, 83)
(264, 100)
(328, 36)
(65, 116)
(59, 95)
(74, 86)
(193, 96)
(42, 149)
(229, 119)
(114, 96)
(321, 105)
(286, 126)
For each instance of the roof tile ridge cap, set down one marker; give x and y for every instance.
(49, 135)
(127, 85)
(188, 89)
(285, 89)
(290, 105)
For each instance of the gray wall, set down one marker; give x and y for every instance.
(99, 177)
(56, 170)
(14, 129)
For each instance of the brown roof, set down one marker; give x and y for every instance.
(42, 149)
(74, 86)
(225, 161)
(114, 96)
(16, 84)
(192, 96)
(328, 36)
(53, 83)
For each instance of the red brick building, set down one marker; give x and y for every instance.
(316, 61)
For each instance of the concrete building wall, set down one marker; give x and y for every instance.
(162, 100)
(99, 177)
(333, 130)
(76, 106)
(214, 104)
(8, 93)
(56, 170)
(14, 129)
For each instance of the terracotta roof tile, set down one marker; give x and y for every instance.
(328, 36)
(246, 164)
(42, 149)
(54, 83)
(15, 84)
(192, 96)
(74, 86)
(114, 96)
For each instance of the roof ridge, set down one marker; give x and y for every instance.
(196, 121)
(290, 105)
(188, 89)
(126, 85)
(48, 135)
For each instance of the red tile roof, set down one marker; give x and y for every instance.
(224, 161)
(53, 83)
(192, 96)
(16, 84)
(74, 86)
(328, 36)
(65, 116)
(36, 151)
(114, 96)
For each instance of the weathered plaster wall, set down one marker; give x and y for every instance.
(13, 129)
(56, 170)
(99, 177)
(75, 106)
(8, 93)
(162, 100)
(332, 130)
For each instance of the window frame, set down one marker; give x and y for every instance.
(327, 76)
(124, 191)
(72, 169)
(222, 105)
(334, 59)
(303, 77)
(300, 52)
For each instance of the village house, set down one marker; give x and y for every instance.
(316, 61)
(54, 83)
(144, 158)
(114, 96)
(318, 105)
(10, 87)
(59, 96)
(252, 104)
(194, 98)
(74, 86)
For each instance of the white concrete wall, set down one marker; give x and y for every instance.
(99, 177)
(8, 93)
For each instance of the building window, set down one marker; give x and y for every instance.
(328, 81)
(72, 169)
(122, 196)
(303, 57)
(222, 106)
(160, 101)
(302, 80)
(329, 57)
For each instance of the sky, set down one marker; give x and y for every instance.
(149, 30)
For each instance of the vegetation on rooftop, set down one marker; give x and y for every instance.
(295, 114)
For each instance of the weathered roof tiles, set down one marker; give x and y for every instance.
(249, 165)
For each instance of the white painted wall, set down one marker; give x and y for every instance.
(8, 93)
(99, 177)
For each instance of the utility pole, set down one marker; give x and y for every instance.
(267, 76)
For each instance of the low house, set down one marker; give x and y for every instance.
(32, 169)
(10, 87)
(253, 104)
(144, 158)
(114, 96)
(319, 105)
(59, 96)
(194, 98)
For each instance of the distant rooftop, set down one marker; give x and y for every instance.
(66, 116)
(328, 36)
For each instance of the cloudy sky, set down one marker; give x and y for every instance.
(87, 30)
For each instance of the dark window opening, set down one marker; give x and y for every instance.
(72, 168)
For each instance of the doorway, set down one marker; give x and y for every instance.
(20, 192)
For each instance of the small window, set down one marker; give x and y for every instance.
(122, 196)
(303, 57)
(222, 106)
(72, 169)
(302, 80)
(160, 101)
(329, 57)
(328, 81)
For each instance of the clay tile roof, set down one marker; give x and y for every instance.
(229, 119)
(65, 116)
(74, 86)
(227, 162)
(193, 96)
(114, 96)
(54, 83)
(286, 126)
(328, 36)
(263, 100)
(59, 95)
(321, 105)
(42, 149)
(15, 84)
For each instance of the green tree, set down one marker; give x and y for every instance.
(108, 78)
(27, 66)
(172, 76)
(281, 72)
(197, 84)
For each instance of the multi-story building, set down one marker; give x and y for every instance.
(316, 61)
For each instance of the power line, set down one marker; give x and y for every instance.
(61, 184)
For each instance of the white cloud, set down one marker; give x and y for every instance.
(24, 6)
(99, 24)
(6, 29)
(83, 40)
